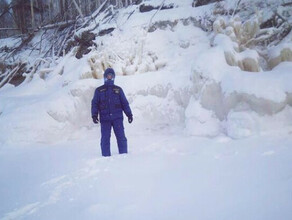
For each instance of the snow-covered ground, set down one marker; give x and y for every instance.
(212, 130)
(164, 176)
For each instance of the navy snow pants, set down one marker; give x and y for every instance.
(106, 135)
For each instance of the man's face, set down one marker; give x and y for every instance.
(109, 76)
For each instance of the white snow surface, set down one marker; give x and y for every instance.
(164, 176)
(208, 141)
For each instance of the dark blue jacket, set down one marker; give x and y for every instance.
(109, 102)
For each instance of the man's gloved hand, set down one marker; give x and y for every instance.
(130, 119)
(95, 119)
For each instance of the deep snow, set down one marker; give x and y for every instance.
(164, 176)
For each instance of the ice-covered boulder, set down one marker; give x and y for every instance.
(246, 60)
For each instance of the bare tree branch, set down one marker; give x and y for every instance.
(11, 74)
(238, 3)
(287, 4)
(78, 9)
(162, 3)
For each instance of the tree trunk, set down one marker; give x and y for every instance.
(66, 7)
(32, 15)
(41, 5)
(61, 9)
(19, 13)
(50, 13)
(89, 10)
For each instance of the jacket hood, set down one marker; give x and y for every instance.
(106, 73)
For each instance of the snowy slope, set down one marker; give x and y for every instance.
(211, 137)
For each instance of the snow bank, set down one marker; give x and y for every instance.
(223, 89)
(47, 116)
(201, 122)
(249, 123)
(179, 76)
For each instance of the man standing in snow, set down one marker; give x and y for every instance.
(109, 101)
